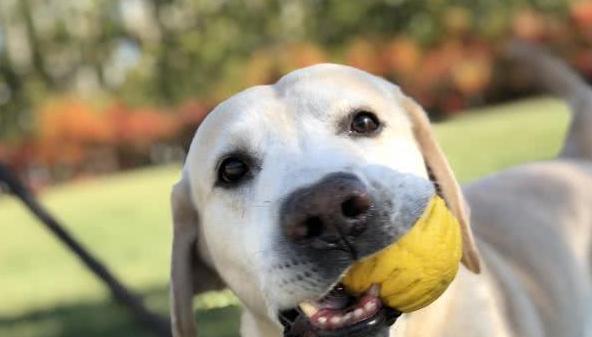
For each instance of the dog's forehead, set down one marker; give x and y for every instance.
(239, 112)
(331, 74)
(325, 85)
(268, 113)
(315, 91)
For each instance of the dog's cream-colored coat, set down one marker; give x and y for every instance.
(529, 274)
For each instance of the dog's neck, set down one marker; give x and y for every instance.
(471, 303)
(469, 293)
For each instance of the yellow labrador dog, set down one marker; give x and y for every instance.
(286, 185)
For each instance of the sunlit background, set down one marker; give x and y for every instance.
(99, 99)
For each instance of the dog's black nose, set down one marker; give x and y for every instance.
(322, 215)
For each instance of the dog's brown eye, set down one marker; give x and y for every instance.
(365, 122)
(232, 170)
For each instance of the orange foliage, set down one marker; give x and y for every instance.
(449, 74)
(71, 119)
(583, 61)
(140, 127)
(298, 55)
(402, 56)
(66, 127)
(472, 73)
(74, 134)
(260, 68)
(471, 76)
(191, 113)
(529, 25)
(267, 64)
(581, 12)
(457, 20)
(364, 54)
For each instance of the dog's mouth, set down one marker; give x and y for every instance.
(339, 314)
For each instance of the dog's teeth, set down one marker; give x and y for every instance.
(370, 306)
(347, 317)
(335, 320)
(322, 320)
(374, 290)
(358, 313)
(308, 309)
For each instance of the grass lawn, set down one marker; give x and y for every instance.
(124, 219)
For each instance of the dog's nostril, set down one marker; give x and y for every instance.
(355, 206)
(313, 226)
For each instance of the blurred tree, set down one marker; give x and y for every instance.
(163, 51)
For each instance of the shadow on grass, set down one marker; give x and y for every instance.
(107, 318)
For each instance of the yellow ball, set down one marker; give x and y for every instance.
(416, 269)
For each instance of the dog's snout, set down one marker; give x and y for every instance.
(355, 206)
(322, 214)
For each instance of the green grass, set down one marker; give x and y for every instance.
(490, 139)
(125, 220)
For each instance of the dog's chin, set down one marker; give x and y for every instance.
(339, 314)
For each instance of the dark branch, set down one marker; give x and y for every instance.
(155, 323)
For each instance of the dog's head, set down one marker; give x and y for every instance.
(286, 185)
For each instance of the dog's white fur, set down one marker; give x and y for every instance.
(532, 224)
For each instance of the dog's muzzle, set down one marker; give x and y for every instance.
(333, 222)
(328, 215)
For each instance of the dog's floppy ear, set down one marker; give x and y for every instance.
(189, 273)
(441, 172)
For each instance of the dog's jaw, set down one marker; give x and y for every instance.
(253, 325)
(464, 292)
